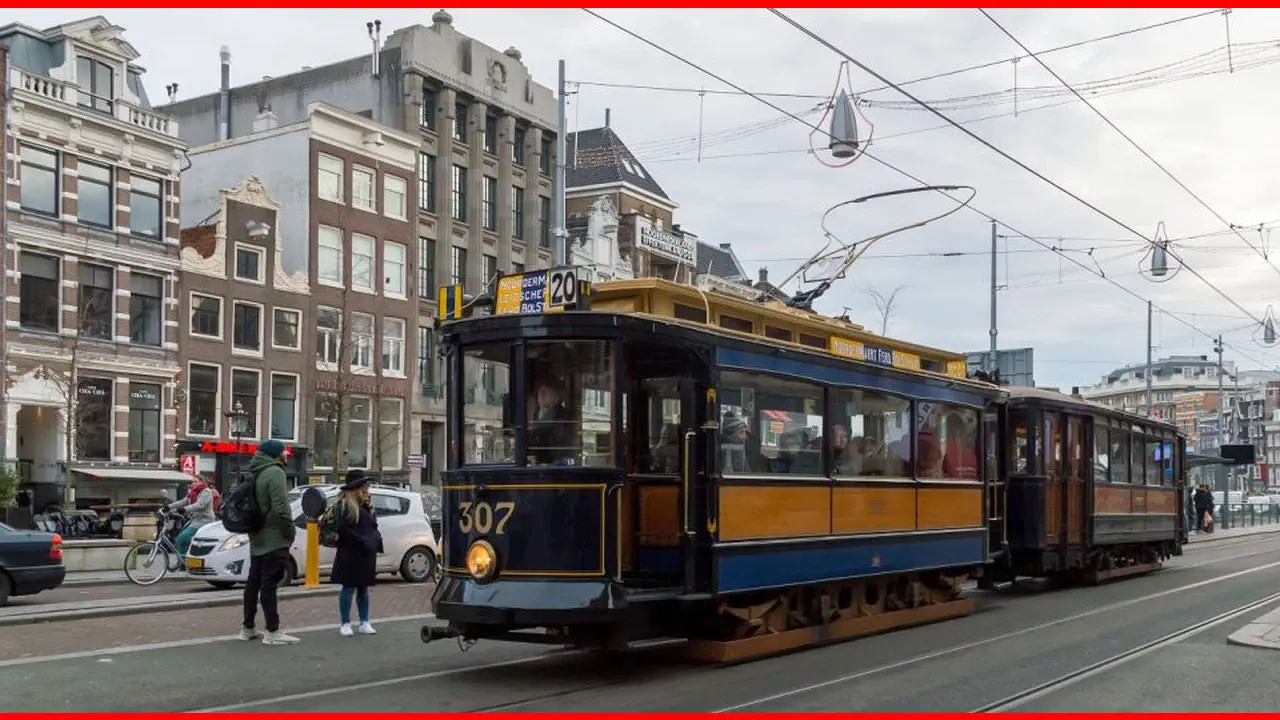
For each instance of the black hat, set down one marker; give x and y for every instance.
(355, 479)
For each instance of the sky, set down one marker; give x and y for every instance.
(758, 188)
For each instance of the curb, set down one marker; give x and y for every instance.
(1254, 635)
(226, 599)
(72, 581)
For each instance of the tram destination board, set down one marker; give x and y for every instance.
(537, 291)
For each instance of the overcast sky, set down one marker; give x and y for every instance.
(1214, 132)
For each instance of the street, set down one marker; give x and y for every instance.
(1029, 649)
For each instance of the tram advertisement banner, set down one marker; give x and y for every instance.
(536, 292)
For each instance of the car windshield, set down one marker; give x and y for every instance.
(6, 528)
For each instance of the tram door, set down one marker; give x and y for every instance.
(660, 412)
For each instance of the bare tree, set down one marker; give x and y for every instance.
(884, 305)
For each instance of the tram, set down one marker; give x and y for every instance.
(641, 462)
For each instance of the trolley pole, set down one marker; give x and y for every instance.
(991, 358)
(1148, 373)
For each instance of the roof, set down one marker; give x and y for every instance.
(599, 157)
(1043, 394)
(719, 261)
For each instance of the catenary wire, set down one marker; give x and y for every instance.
(908, 175)
(1126, 136)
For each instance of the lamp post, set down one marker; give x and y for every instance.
(238, 420)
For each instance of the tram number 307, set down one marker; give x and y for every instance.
(484, 518)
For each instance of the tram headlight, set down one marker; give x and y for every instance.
(482, 560)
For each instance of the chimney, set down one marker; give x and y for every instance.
(725, 246)
(764, 276)
(224, 95)
(266, 120)
(606, 117)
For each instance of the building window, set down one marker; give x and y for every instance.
(459, 193)
(284, 329)
(544, 159)
(38, 303)
(517, 146)
(330, 171)
(362, 184)
(249, 264)
(206, 316)
(144, 423)
(460, 122)
(328, 335)
(544, 221)
(97, 309)
(426, 268)
(93, 419)
(427, 183)
(427, 118)
(203, 382)
(146, 314)
(145, 206)
(362, 253)
(517, 268)
(489, 201)
(491, 134)
(390, 433)
(458, 275)
(393, 347)
(490, 267)
(361, 342)
(517, 212)
(284, 406)
(326, 430)
(329, 257)
(395, 193)
(246, 327)
(97, 84)
(244, 394)
(393, 257)
(426, 362)
(358, 433)
(93, 195)
(38, 191)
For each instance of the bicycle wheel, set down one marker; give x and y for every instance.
(146, 563)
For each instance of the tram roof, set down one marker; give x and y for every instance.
(1060, 398)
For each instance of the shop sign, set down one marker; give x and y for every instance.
(230, 448)
(669, 245)
(189, 464)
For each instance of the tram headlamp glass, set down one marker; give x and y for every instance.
(482, 560)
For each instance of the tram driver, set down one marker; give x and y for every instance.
(550, 429)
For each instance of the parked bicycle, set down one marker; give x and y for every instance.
(160, 555)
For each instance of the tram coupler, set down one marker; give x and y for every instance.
(435, 632)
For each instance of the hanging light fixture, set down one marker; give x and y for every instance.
(1160, 259)
(1158, 252)
(1269, 332)
(844, 128)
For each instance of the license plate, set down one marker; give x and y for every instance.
(195, 563)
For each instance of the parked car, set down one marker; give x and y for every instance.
(30, 562)
(409, 545)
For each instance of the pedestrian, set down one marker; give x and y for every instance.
(355, 564)
(269, 545)
(1204, 509)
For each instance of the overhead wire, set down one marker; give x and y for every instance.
(1130, 140)
(908, 175)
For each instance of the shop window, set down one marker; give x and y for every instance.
(93, 419)
(144, 423)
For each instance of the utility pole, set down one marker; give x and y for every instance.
(560, 233)
(991, 358)
(4, 259)
(1148, 373)
(1221, 472)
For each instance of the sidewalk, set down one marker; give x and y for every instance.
(1234, 532)
(158, 602)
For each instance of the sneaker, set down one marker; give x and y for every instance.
(345, 630)
(367, 629)
(249, 634)
(279, 638)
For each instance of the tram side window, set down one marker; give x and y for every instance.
(1021, 443)
(1075, 455)
(1138, 465)
(870, 434)
(661, 451)
(769, 426)
(570, 408)
(948, 441)
(1052, 446)
(1119, 456)
(1101, 454)
(1152, 461)
(1168, 450)
(488, 435)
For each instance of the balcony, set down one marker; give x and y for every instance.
(58, 91)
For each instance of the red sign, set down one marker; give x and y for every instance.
(230, 448)
(189, 464)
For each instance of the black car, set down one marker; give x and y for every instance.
(30, 562)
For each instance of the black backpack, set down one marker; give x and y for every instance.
(240, 511)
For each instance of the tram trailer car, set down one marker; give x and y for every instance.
(1091, 493)
(679, 466)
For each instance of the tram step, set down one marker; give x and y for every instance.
(656, 643)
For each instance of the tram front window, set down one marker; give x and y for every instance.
(488, 434)
(570, 403)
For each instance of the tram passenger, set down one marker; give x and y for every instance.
(930, 460)
(550, 431)
(961, 458)
(665, 456)
(843, 455)
(739, 448)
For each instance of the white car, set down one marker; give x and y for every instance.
(409, 545)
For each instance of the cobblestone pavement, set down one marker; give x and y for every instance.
(81, 593)
(68, 636)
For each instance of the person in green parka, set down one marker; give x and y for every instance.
(269, 545)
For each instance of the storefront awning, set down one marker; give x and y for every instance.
(135, 474)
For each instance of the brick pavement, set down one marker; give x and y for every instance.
(67, 636)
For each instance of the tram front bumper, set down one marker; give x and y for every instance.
(528, 602)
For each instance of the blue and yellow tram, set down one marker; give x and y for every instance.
(642, 462)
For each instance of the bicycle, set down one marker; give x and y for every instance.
(145, 553)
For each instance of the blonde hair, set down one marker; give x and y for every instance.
(351, 501)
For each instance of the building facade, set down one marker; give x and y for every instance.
(298, 299)
(1125, 388)
(484, 172)
(91, 269)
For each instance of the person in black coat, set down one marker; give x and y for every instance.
(355, 567)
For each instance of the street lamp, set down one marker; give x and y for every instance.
(239, 421)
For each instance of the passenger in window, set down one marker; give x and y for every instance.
(740, 450)
(929, 464)
(843, 455)
(961, 455)
(791, 458)
(665, 456)
(550, 434)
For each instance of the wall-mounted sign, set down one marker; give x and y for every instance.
(230, 448)
(188, 464)
(669, 245)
